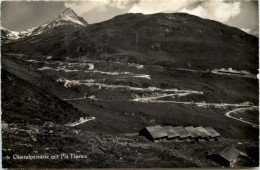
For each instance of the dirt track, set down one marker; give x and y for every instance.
(235, 110)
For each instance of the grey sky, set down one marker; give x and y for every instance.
(21, 15)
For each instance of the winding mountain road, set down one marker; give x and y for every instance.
(235, 110)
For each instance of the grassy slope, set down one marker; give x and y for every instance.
(23, 102)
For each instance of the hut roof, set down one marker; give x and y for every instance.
(182, 132)
(213, 132)
(156, 131)
(194, 133)
(229, 153)
(171, 131)
(203, 132)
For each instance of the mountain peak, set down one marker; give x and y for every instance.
(69, 15)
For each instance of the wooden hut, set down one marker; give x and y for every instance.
(227, 156)
(214, 135)
(172, 134)
(204, 134)
(154, 133)
(184, 135)
(195, 135)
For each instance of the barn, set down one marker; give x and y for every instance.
(204, 134)
(195, 135)
(227, 156)
(214, 135)
(185, 136)
(154, 133)
(172, 133)
(158, 133)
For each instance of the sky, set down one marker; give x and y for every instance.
(22, 15)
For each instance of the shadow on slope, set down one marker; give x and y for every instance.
(23, 102)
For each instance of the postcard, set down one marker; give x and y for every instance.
(130, 84)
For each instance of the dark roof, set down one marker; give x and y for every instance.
(203, 132)
(182, 132)
(229, 153)
(156, 131)
(194, 133)
(213, 132)
(171, 131)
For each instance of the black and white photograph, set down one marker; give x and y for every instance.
(130, 84)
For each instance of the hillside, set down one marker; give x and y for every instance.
(172, 40)
(25, 103)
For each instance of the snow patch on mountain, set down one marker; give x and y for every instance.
(9, 34)
(67, 17)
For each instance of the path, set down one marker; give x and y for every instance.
(246, 108)
(80, 121)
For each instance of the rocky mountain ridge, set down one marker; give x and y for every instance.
(66, 17)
